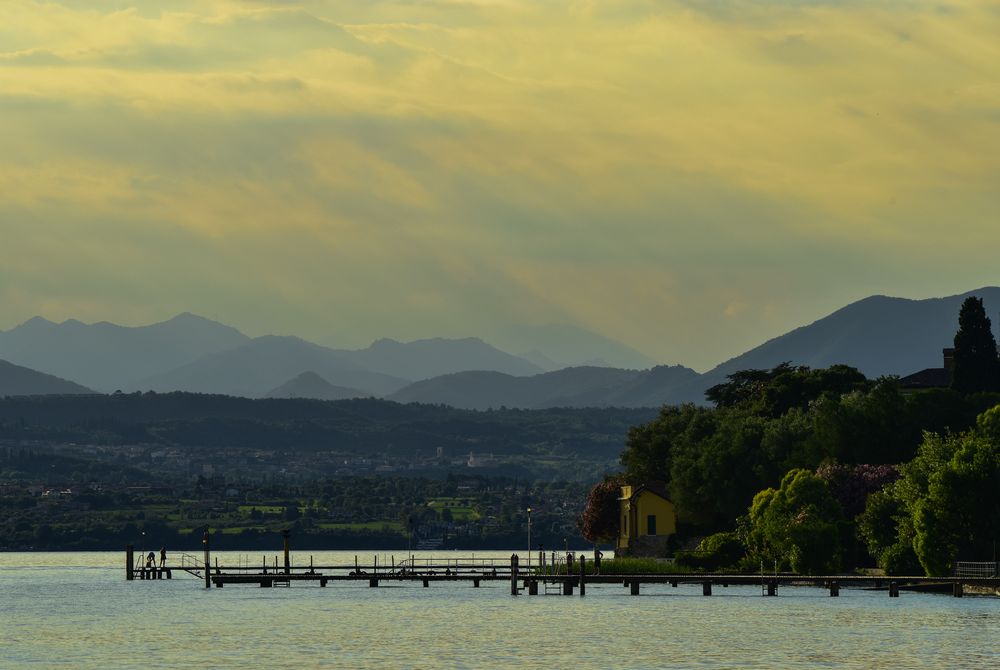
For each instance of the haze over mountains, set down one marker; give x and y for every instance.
(194, 354)
(879, 335)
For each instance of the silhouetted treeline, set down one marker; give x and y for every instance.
(358, 426)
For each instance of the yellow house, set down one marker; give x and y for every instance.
(648, 520)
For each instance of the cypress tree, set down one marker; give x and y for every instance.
(976, 364)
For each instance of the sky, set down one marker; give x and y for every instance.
(688, 177)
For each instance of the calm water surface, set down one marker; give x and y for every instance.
(75, 610)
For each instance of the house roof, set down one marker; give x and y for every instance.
(929, 378)
(656, 488)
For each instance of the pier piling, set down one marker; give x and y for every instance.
(288, 561)
(129, 562)
(208, 560)
(513, 575)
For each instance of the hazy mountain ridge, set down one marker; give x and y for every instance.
(564, 345)
(191, 353)
(16, 380)
(106, 356)
(569, 387)
(879, 335)
(267, 362)
(423, 359)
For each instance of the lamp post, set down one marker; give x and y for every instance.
(529, 537)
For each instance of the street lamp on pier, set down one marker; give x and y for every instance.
(529, 537)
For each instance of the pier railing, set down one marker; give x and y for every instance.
(192, 564)
(464, 564)
(977, 568)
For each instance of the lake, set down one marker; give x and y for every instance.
(75, 610)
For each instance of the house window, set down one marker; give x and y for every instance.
(651, 524)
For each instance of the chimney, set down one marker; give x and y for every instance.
(949, 358)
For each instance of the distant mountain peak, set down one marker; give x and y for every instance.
(311, 385)
(36, 321)
(310, 376)
(189, 317)
(384, 342)
(423, 359)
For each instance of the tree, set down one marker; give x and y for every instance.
(774, 392)
(885, 530)
(944, 507)
(600, 521)
(976, 365)
(960, 515)
(797, 525)
(649, 447)
(851, 487)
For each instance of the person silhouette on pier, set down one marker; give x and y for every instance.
(150, 560)
(163, 556)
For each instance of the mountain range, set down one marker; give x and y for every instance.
(879, 335)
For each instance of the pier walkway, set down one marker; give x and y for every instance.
(563, 575)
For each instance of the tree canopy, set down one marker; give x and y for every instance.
(796, 525)
(944, 508)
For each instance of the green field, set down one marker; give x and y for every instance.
(394, 526)
(460, 508)
(263, 509)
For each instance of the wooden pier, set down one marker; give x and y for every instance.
(560, 575)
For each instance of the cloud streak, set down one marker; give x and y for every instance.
(689, 177)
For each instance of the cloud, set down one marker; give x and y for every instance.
(414, 168)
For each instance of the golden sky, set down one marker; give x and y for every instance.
(688, 177)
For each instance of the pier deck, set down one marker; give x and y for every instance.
(558, 576)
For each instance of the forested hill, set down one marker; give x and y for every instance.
(18, 380)
(359, 426)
